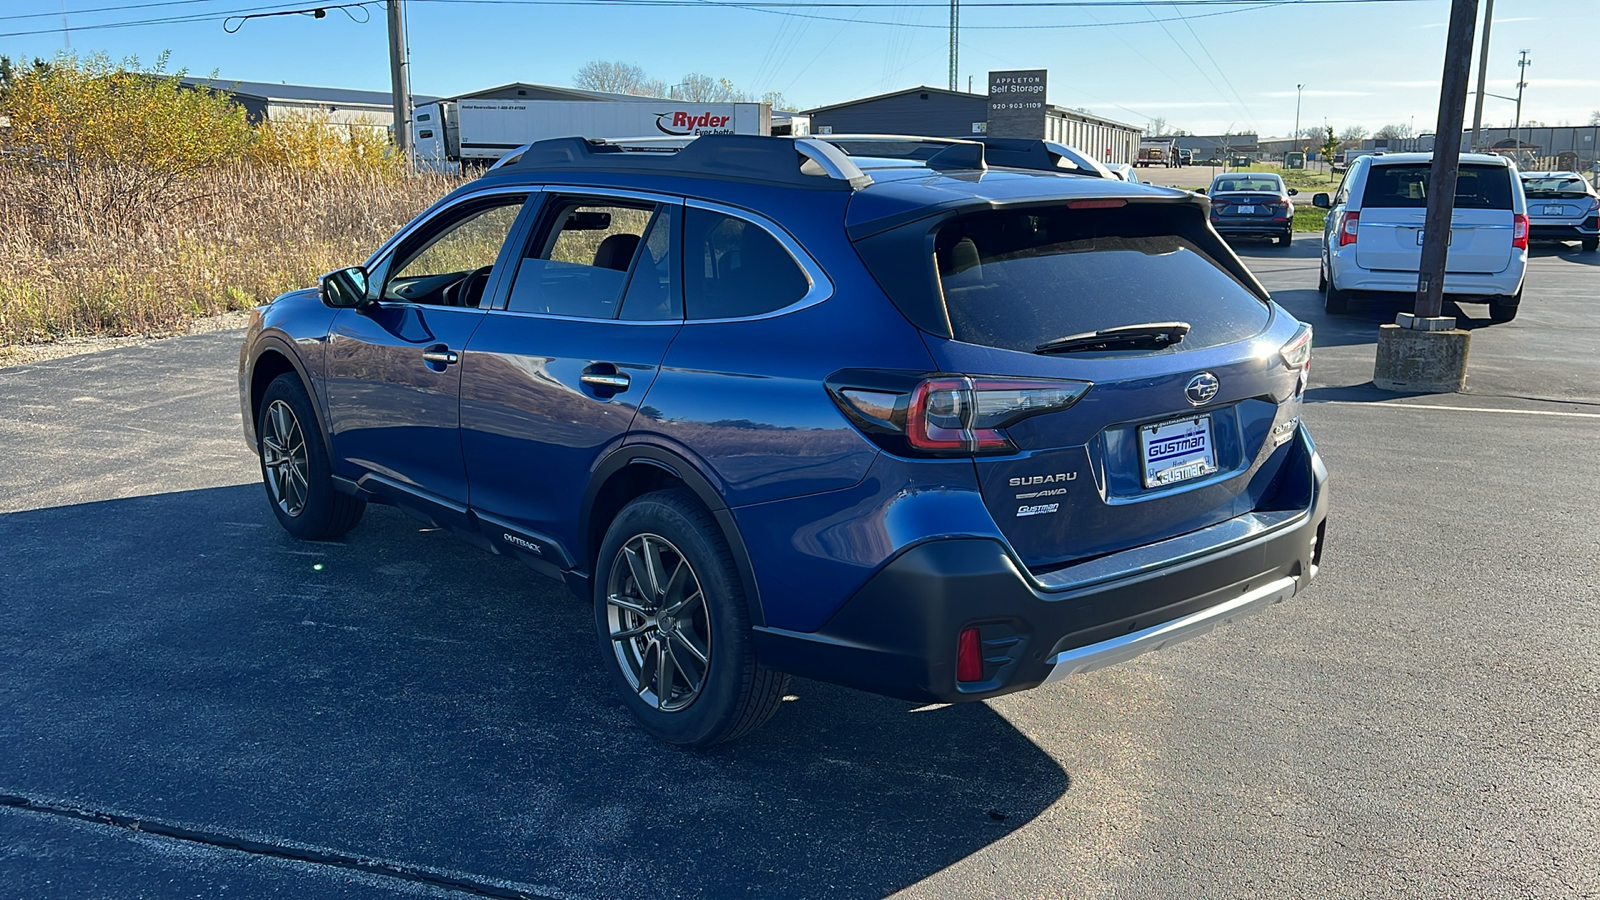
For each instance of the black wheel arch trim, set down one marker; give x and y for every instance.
(698, 484)
(271, 343)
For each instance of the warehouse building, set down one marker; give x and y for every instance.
(264, 101)
(936, 112)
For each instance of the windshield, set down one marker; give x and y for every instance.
(1016, 280)
(1247, 181)
(1561, 184)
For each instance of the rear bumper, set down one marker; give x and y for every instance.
(1256, 228)
(1346, 275)
(898, 634)
(1564, 231)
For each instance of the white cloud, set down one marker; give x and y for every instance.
(1496, 21)
(1315, 93)
(1169, 104)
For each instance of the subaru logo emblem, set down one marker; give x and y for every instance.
(1202, 388)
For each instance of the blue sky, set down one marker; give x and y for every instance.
(1366, 64)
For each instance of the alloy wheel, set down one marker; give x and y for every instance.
(658, 622)
(283, 456)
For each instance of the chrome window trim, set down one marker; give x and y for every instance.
(387, 247)
(821, 286)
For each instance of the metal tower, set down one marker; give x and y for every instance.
(955, 42)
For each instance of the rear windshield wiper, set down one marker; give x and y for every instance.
(1148, 336)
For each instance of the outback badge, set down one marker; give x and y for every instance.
(1202, 388)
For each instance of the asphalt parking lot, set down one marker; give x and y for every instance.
(193, 704)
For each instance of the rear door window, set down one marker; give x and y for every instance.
(1016, 280)
(1405, 186)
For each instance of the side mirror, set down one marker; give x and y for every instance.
(1199, 190)
(345, 288)
(1320, 201)
(1293, 192)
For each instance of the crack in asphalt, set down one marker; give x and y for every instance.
(456, 881)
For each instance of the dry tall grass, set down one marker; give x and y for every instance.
(74, 260)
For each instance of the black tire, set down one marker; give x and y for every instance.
(1591, 244)
(1322, 278)
(1504, 309)
(1335, 301)
(1287, 239)
(310, 508)
(735, 693)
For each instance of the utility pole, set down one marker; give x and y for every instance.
(1446, 158)
(1522, 68)
(1296, 136)
(400, 77)
(1483, 74)
(955, 42)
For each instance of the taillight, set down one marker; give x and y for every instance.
(1519, 231)
(1296, 354)
(945, 415)
(1347, 228)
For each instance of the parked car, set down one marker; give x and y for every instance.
(1372, 239)
(942, 425)
(1185, 156)
(1126, 173)
(1562, 206)
(1253, 204)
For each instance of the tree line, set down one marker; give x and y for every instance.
(614, 77)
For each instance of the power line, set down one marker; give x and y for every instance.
(780, 7)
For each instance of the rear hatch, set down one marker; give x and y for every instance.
(1394, 206)
(1557, 196)
(1148, 434)
(1242, 207)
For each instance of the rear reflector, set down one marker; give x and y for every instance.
(969, 656)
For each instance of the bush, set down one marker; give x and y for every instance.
(133, 204)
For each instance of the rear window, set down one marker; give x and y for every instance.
(1555, 186)
(1015, 280)
(1405, 186)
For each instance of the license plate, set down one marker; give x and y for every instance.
(1247, 210)
(1448, 242)
(1555, 210)
(1177, 451)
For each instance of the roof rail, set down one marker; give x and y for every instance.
(1048, 156)
(797, 162)
(974, 153)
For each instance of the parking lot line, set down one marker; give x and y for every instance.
(1481, 409)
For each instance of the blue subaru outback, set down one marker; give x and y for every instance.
(937, 419)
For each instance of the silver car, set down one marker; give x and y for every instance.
(1562, 206)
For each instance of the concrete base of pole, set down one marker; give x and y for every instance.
(1413, 361)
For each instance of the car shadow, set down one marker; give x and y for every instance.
(400, 694)
(1572, 253)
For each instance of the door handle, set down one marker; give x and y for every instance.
(443, 357)
(611, 381)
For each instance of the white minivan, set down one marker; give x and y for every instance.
(1372, 240)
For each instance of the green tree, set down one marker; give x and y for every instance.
(1329, 143)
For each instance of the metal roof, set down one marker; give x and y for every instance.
(300, 93)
